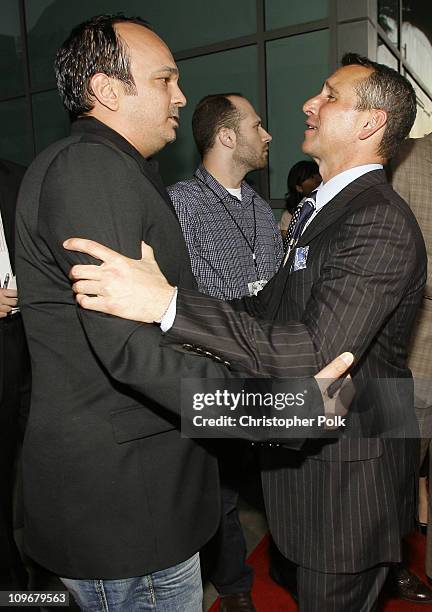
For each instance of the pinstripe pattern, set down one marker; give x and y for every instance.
(354, 592)
(339, 507)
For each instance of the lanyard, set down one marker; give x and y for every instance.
(250, 246)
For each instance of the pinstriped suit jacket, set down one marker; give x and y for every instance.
(342, 506)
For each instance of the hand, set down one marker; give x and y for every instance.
(337, 405)
(8, 300)
(132, 289)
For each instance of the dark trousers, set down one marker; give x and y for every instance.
(14, 403)
(340, 592)
(225, 554)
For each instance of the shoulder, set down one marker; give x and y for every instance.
(186, 195)
(92, 150)
(382, 211)
(81, 175)
(264, 208)
(89, 162)
(411, 150)
(187, 187)
(261, 203)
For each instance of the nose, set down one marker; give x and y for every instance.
(178, 97)
(266, 136)
(311, 105)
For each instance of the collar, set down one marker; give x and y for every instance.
(91, 125)
(327, 191)
(219, 190)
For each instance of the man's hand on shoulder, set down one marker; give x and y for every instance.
(132, 289)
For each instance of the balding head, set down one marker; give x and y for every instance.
(120, 72)
(94, 47)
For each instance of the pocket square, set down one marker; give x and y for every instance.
(300, 258)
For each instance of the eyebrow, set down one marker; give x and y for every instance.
(168, 69)
(333, 89)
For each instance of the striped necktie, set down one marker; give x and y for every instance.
(300, 217)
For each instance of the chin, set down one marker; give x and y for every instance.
(307, 148)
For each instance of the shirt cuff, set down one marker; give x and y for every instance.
(167, 320)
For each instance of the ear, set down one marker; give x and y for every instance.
(299, 188)
(105, 90)
(376, 119)
(227, 137)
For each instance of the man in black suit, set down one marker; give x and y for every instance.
(117, 503)
(354, 278)
(103, 465)
(14, 376)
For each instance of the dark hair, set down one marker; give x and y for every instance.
(387, 90)
(301, 171)
(93, 46)
(211, 114)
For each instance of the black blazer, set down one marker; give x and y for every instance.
(111, 489)
(341, 506)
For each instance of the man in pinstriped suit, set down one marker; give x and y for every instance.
(336, 508)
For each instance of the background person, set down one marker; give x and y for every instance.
(234, 247)
(302, 179)
(412, 178)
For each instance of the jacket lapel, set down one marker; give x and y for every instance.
(331, 212)
(338, 205)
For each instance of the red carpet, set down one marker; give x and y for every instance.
(269, 597)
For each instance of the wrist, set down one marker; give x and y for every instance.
(166, 299)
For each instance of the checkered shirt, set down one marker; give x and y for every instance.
(221, 259)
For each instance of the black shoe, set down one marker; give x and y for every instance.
(403, 584)
(240, 602)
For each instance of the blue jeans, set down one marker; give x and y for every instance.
(176, 589)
